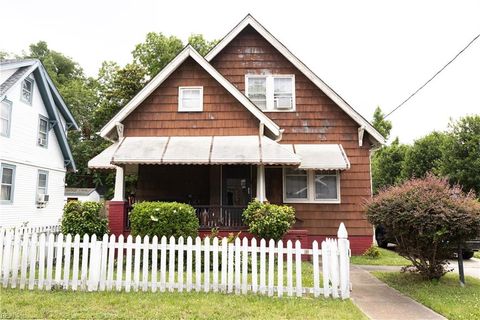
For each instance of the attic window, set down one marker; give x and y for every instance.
(190, 99)
(271, 93)
(27, 90)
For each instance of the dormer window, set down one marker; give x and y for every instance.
(27, 90)
(190, 99)
(271, 93)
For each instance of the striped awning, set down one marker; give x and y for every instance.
(220, 150)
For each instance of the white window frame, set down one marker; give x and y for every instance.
(311, 192)
(12, 193)
(39, 172)
(40, 119)
(181, 108)
(28, 79)
(270, 90)
(7, 103)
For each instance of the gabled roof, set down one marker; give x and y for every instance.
(79, 191)
(188, 51)
(50, 96)
(250, 21)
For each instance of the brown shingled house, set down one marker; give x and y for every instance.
(248, 121)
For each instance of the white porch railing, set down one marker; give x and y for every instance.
(67, 262)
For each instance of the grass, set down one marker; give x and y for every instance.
(17, 304)
(476, 254)
(386, 258)
(445, 296)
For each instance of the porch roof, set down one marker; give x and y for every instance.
(321, 156)
(220, 150)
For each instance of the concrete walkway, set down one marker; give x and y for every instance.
(471, 267)
(379, 301)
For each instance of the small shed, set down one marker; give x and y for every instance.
(81, 194)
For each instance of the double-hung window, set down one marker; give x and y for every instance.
(5, 118)
(42, 139)
(311, 186)
(190, 99)
(27, 90)
(271, 93)
(7, 183)
(42, 183)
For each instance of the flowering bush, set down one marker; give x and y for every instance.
(268, 221)
(163, 219)
(428, 219)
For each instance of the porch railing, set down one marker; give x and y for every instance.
(221, 217)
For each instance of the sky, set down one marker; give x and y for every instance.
(372, 53)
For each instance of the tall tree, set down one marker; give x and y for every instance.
(424, 156)
(387, 165)
(203, 46)
(383, 126)
(461, 156)
(156, 51)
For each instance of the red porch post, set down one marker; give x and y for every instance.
(117, 211)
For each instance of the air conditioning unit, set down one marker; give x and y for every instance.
(42, 142)
(43, 198)
(283, 103)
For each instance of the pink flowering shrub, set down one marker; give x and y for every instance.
(428, 219)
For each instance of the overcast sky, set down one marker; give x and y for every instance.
(370, 52)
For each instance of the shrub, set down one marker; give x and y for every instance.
(267, 220)
(372, 252)
(83, 218)
(428, 219)
(163, 219)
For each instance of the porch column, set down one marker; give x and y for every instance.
(261, 196)
(119, 194)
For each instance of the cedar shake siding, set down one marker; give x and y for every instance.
(317, 119)
(222, 114)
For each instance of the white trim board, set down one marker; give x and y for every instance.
(249, 20)
(188, 51)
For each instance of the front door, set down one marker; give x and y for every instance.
(237, 188)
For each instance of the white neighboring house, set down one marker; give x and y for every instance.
(34, 152)
(81, 194)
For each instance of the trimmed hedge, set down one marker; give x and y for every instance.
(268, 221)
(163, 219)
(83, 218)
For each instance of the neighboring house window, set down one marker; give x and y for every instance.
(311, 186)
(5, 118)
(42, 186)
(7, 183)
(190, 99)
(42, 132)
(27, 90)
(271, 93)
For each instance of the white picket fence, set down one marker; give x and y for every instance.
(44, 262)
(30, 230)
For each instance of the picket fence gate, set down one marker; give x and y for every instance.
(58, 261)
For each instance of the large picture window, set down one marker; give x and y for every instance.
(272, 92)
(311, 186)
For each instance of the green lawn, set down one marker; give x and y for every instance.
(386, 258)
(444, 296)
(17, 304)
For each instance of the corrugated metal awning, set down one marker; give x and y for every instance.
(203, 150)
(103, 159)
(321, 156)
(220, 150)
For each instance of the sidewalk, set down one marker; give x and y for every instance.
(470, 267)
(379, 301)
